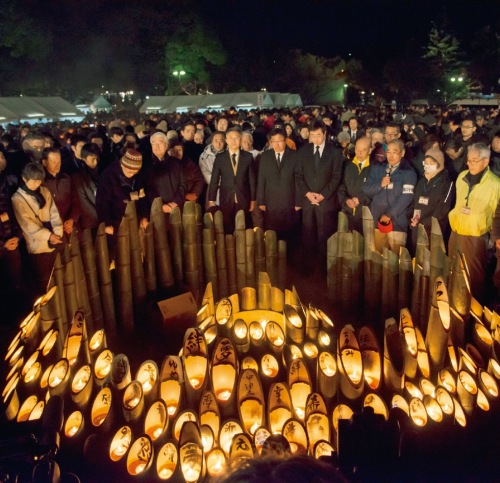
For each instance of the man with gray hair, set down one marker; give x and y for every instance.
(478, 195)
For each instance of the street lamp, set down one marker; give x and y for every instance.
(179, 73)
(345, 94)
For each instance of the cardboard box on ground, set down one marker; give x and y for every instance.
(179, 311)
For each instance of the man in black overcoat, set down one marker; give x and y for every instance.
(235, 175)
(276, 187)
(318, 178)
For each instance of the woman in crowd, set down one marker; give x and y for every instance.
(42, 227)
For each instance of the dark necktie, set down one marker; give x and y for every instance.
(233, 157)
(360, 166)
(317, 158)
(279, 160)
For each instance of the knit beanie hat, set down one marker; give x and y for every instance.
(437, 156)
(132, 159)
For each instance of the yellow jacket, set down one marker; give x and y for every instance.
(482, 203)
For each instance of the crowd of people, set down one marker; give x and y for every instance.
(291, 171)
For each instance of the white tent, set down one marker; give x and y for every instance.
(219, 102)
(37, 109)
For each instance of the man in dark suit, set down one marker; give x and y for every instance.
(235, 176)
(276, 194)
(318, 178)
(355, 132)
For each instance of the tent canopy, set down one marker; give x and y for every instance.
(219, 102)
(37, 109)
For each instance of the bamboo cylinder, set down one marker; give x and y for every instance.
(357, 268)
(390, 275)
(70, 290)
(345, 247)
(124, 277)
(260, 250)
(405, 279)
(231, 264)
(250, 258)
(264, 291)
(164, 273)
(149, 260)
(277, 299)
(282, 264)
(393, 357)
(240, 244)
(271, 242)
(176, 239)
(248, 298)
(209, 259)
(332, 264)
(191, 248)
(136, 265)
(89, 265)
(105, 284)
(58, 276)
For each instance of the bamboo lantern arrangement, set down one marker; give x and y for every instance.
(257, 363)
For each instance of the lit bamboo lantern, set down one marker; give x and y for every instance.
(97, 343)
(76, 344)
(133, 401)
(120, 443)
(216, 462)
(460, 417)
(407, 328)
(223, 316)
(487, 384)
(259, 438)
(279, 407)
(100, 414)
(256, 333)
(316, 420)
(445, 401)
(49, 309)
(476, 356)
(140, 456)
(30, 329)
(194, 356)
(438, 328)
(209, 412)
(248, 298)
(422, 355)
(413, 390)
(446, 379)
(207, 438)
(209, 329)
(294, 326)
(241, 336)
(324, 338)
(32, 376)
(269, 368)
(228, 431)
(350, 364)
(295, 433)
(166, 463)
(147, 375)
(433, 409)
(120, 375)
(453, 356)
(376, 402)
(81, 386)
(48, 346)
(323, 448)
(74, 424)
(241, 448)
(290, 353)
(156, 421)
(208, 301)
(37, 411)
(494, 368)
(457, 328)
(482, 339)
(183, 417)
(102, 366)
(13, 345)
(327, 378)
(26, 407)
(466, 391)
(264, 290)
(312, 323)
(418, 414)
(400, 402)
(11, 385)
(466, 363)
(31, 360)
(427, 388)
(370, 353)
(171, 382)
(16, 355)
(223, 374)
(249, 363)
(275, 336)
(310, 357)
(59, 377)
(251, 401)
(299, 384)
(15, 369)
(393, 356)
(11, 403)
(482, 401)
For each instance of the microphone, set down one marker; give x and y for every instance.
(388, 171)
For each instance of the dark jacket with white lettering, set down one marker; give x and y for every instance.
(392, 202)
(434, 198)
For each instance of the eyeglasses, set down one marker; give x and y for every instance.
(474, 162)
(467, 127)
